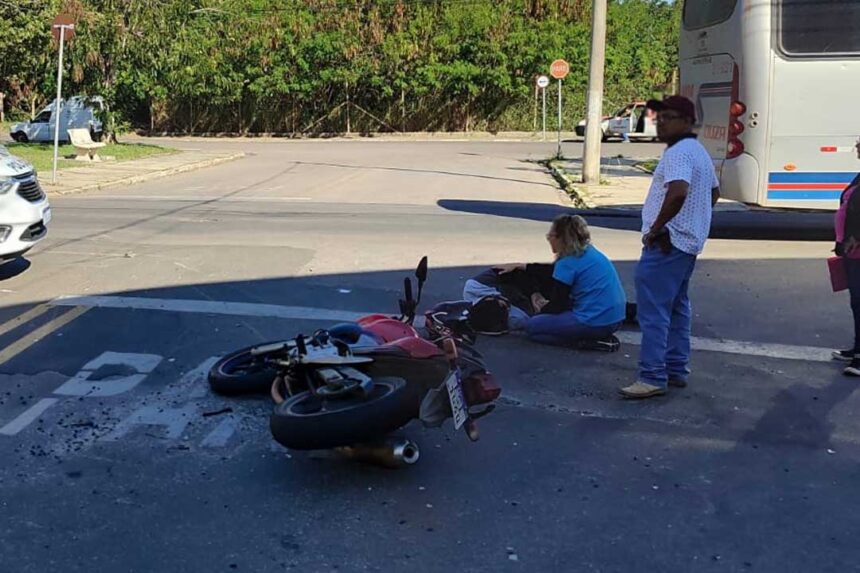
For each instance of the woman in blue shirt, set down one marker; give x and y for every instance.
(596, 304)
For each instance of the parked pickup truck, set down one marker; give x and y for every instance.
(633, 120)
(78, 112)
(24, 209)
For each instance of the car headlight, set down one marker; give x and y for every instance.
(4, 232)
(6, 185)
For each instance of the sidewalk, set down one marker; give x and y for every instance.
(623, 185)
(109, 173)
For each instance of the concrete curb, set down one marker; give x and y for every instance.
(572, 194)
(146, 176)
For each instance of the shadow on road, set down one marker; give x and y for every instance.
(13, 268)
(747, 225)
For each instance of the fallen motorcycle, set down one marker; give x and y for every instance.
(351, 385)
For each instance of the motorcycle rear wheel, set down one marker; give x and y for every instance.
(305, 422)
(240, 372)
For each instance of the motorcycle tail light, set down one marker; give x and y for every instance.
(480, 389)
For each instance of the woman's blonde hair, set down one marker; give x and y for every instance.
(572, 231)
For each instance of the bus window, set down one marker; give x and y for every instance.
(704, 13)
(822, 27)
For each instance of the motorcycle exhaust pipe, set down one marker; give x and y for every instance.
(390, 453)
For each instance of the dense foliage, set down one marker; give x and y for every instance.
(292, 65)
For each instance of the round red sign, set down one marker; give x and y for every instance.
(63, 20)
(559, 69)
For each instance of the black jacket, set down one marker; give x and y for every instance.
(519, 285)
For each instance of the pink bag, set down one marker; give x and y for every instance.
(838, 278)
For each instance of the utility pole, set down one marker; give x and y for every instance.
(63, 28)
(593, 135)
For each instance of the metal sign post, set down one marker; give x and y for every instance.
(61, 25)
(558, 152)
(559, 69)
(542, 83)
(543, 91)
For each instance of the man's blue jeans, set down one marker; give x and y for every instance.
(664, 314)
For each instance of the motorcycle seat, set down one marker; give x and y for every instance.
(354, 334)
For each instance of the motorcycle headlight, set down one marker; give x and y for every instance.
(6, 184)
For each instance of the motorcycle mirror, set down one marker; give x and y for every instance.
(421, 271)
(407, 288)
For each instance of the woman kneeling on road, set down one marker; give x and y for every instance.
(596, 299)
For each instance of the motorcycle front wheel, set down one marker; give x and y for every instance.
(241, 372)
(306, 422)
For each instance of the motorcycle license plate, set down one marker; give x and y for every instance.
(458, 400)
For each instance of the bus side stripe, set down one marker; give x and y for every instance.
(803, 195)
(811, 177)
(808, 186)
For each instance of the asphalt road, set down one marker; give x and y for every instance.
(751, 468)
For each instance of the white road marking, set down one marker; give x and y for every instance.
(27, 417)
(210, 307)
(767, 350)
(174, 420)
(218, 437)
(81, 385)
(196, 379)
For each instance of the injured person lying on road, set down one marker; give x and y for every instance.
(577, 301)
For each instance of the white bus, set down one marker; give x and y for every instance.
(777, 91)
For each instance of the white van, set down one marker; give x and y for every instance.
(78, 112)
(24, 209)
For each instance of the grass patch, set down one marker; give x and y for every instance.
(648, 166)
(41, 155)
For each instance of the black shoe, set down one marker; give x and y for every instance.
(677, 383)
(608, 344)
(844, 355)
(853, 369)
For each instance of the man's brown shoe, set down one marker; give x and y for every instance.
(639, 390)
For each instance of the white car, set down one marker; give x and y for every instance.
(24, 209)
(78, 112)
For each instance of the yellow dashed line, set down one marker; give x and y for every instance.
(32, 338)
(22, 318)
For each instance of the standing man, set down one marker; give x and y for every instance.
(676, 219)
